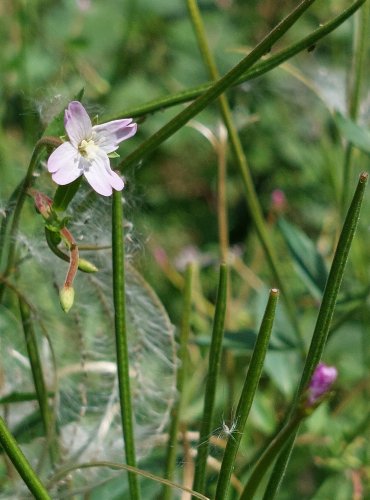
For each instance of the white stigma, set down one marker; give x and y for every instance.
(88, 149)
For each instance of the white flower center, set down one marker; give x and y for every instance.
(88, 149)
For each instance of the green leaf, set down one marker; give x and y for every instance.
(64, 195)
(309, 261)
(358, 136)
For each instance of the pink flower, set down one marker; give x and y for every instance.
(86, 152)
(83, 5)
(278, 199)
(322, 379)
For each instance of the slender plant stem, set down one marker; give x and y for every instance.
(22, 193)
(217, 88)
(211, 384)
(334, 281)
(323, 322)
(181, 376)
(223, 223)
(269, 455)
(247, 395)
(22, 465)
(121, 340)
(258, 69)
(360, 49)
(115, 466)
(38, 378)
(8, 210)
(251, 197)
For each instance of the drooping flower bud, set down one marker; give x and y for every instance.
(66, 297)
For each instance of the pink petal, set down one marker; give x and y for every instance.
(116, 181)
(62, 157)
(77, 123)
(99, 174)
(67, 175)
(109, 135)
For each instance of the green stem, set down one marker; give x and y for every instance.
(360, 48)
(121, 340)
(269, 455)
(211, 384)
(8, 210)
(334, 281)
(247, 395)
(181, 376)
(67, 471)
(83, 265)
(217, 88)
(22, 465)
(251, 196)
(257, 70)
(26, 184)
(323, 322)
(38, 378)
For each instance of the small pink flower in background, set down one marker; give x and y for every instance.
(322, 379)
(86, 152)
(83, 5)
(278, 200)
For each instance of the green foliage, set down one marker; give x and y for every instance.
(302, 133)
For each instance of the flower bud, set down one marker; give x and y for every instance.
(66, 297)
(322, 379)
(86, 266)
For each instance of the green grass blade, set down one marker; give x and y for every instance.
(181, 374)
(211, 385)
(257, 70)
(121, 339)
(22, 465)
(38, 379)
(247, 395)
(217, 88)
(323, 322)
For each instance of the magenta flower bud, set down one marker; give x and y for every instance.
(278, 200)
(322, 379)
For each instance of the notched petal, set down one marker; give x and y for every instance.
(109, 135)
(77, 123)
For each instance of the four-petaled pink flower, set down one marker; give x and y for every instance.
(86, 152)
(322, 379)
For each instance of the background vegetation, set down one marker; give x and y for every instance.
(124, 54)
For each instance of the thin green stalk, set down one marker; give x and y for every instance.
(258, 69)
(247, 395)
(123, 374)
(222, 205)
(22, 465)
(27, 182)
(211, 384)
(38, 378)
(333, 284)
(323, 322)
(66, 471)
(359, 60)
(217, 88)
(269, 455)
(251, 197)
(8, 210)
(181, 376)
